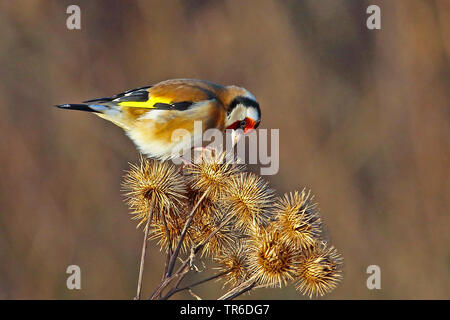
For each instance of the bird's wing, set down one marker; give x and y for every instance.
(168, 95)
(137, 93)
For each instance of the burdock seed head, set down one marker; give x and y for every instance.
(169, 232)
(207, 228)
(211, 173)
(248, 200)
(271, 261)
(297, 219)
(319, 270)
(207, 206)
(234, 261)
(153, 186)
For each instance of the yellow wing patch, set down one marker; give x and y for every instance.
(149, 104)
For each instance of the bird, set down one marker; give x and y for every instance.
(149, 115)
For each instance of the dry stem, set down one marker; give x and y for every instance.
(144, 249)
(173, 259)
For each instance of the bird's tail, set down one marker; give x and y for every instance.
(98, 108)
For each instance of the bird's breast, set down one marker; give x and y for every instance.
(158, 133)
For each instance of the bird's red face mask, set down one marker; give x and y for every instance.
(247, 125)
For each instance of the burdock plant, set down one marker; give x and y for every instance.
(213, 209)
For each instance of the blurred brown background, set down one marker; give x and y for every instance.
(363, 118)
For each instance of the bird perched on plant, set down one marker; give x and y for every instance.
(149, 115)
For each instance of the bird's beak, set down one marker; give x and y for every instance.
(250, 125)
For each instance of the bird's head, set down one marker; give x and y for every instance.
(243, 113)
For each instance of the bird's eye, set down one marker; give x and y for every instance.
(242, 124)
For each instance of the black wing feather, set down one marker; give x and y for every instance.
(179, 106)
(138, 94)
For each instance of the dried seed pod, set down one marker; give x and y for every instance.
(154, 179)
(297, 219)
(211, 174)
(170, 231)
(248, 199)
(271, 261)
(222, 236)
(234, 261)
(319, 270)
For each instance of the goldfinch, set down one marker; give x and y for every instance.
(149, 115)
